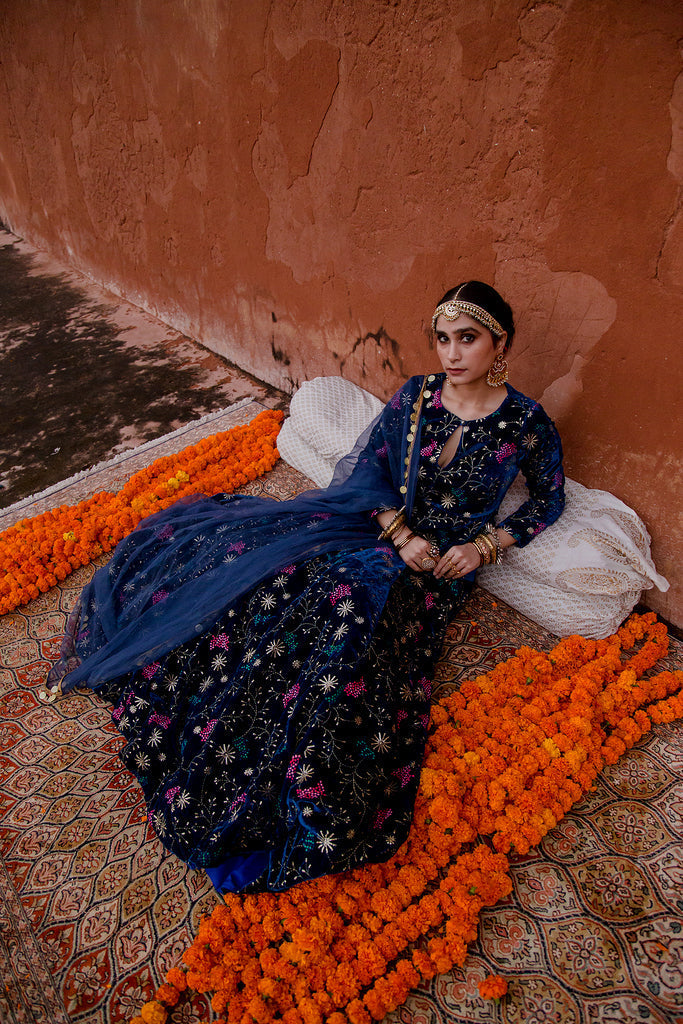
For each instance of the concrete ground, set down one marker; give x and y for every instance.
(85, 375)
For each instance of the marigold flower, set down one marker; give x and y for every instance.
(168, 994)
(493, 987)
(153, 1013)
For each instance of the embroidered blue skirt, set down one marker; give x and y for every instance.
(286, 742)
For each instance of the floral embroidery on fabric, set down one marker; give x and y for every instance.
(163, 720)
(505, 451)
(355, 688)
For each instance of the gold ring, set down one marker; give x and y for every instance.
(427, 563)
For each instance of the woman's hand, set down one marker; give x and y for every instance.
(458, 561)
(416, 551)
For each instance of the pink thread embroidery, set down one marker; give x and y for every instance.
(428, 449)
(293, 765)
(380, 817)
(160, 595)
(355, 688)
(504, 451)
(116, 714)
(220, 640)
(426, 685)
(311, 792)
(208, 729)
(424, 720)
(404, 775)
(171, 794)
(401, 715)
(150, 670)
(236, 803)
(238, 547)
(436, 400)
(342, 590)
(289, 569)
(290, 695)
(383, 451)
(395, 402)
(429, 600)
(161, 720)
(165, 533)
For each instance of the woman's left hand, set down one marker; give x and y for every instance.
(458, 561)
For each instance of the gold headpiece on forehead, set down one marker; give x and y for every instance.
(454, 307)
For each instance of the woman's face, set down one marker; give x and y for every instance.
(466, 349)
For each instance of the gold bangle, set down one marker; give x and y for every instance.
(490, 545)
(404, 542)
(484, 552)
(393, 525)
(479, 552)
(491, 535)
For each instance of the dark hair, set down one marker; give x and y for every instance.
(488, 298)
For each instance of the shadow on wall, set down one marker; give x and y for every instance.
(74, 388)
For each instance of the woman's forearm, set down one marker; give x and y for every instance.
(384, 517)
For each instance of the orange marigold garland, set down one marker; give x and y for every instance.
(37, 553)
(507, 757)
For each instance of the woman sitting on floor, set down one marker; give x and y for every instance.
(269, 663)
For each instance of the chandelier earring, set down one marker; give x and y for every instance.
(498, 372)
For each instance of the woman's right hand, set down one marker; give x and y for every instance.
(417, 550)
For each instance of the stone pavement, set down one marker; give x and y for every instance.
(86, 375)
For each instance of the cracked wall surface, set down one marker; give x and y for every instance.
(296, 182)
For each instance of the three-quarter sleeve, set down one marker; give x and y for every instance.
(540, 461)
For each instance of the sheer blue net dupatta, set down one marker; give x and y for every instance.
(181, 569)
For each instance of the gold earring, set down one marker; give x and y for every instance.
(498, 372)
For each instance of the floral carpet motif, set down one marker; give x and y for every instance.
(93, 911)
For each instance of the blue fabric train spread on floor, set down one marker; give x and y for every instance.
(269, 664)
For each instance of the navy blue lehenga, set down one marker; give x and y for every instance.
(282, 738)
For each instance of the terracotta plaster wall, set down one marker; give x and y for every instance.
(295, 182)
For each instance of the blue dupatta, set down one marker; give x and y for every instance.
(198, 557)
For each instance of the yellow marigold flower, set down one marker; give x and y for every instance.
(551, 747)
(154, 1013)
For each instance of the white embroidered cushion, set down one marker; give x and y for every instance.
(582, 575)
(326, 417)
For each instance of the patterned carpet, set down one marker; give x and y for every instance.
(93, 911)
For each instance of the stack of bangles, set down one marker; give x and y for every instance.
(394, 531)
(488, 546)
